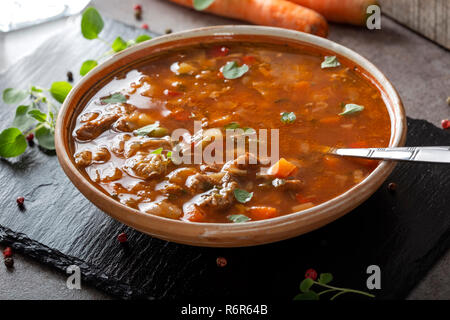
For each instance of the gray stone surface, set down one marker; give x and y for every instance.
(389, 49)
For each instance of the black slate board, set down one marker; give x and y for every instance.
(403, 233)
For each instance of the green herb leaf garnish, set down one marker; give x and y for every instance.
(325, 278)
(59, 90)
(242, 196)
(238, 218)
(310, 295)
(21, 120)
(231, 70)
(351, 108)
(11, 96)
(46, 137)
(142, 38)
(288, 117)
(147, 129)
(12, 143)
(330, 62)
(306, 284)
(38, 115)
(157, 151)
(232, 125)
(114, 98)
(202, 4)
(119, 44)
(91, 23)
(87, 66)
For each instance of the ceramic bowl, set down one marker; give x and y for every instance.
(224, 234)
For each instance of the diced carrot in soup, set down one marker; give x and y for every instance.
(262, 213)
(282, 169)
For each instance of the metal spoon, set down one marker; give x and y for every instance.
(419, 154)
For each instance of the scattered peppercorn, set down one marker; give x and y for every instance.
(20, 201)
(392, 187)
(445, 124)
(311, 274)
(30, 137)
(448, 101)
(168, 31)
(9, 262)
(221, 262)
(144, 26)
(122, 237)
(7, 252)
(69, 76)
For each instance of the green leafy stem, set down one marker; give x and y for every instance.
(308, 294)
(37, 117)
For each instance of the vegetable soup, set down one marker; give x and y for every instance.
(123, 139)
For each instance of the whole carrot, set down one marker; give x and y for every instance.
(276, 13)
(345, 11)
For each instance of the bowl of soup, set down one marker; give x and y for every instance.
(218, 136)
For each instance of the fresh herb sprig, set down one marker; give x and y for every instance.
(324, 279)
(91, 26)
(37, 116)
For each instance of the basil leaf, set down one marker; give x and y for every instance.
(202, 4)
(119, 44)
(231, 70)
(157, 151)
(142, 38)
(12, 96)
(238, 218)
(12, 143)
(310, 295)
(232, 125)
(59, 90)
(46, 138)
(38, 115)
(242, 196)
(169, 155)
(91, 23)
(351, 108)
(325, 278)
(87, 66)
(21, 120)
(330, 62)
(115, 98)
(147, 129)
(288, 117)
(306, 284)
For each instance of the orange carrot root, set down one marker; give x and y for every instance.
(276, 13)
(344, 11)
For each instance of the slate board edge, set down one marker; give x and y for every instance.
(91, 275)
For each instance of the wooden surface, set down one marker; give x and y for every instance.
(428, 17)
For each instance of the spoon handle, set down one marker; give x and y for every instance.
(419, 154)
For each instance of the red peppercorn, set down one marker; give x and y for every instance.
(20, 201)
(30, 137)
(144, 26)
(445, 124)
(221, 262)
(122, 237)
(137, 7)
(7, 252)
(311, 273)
